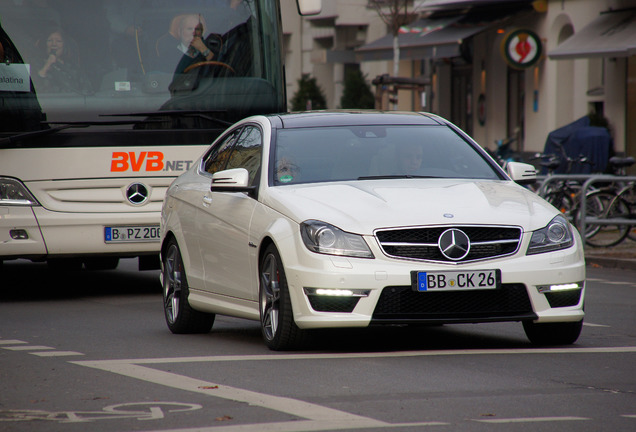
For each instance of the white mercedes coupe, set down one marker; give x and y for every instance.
(353, 219)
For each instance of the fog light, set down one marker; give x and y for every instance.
(18, 234)
(560, 287)
(334, 292)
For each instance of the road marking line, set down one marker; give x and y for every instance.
(28, 348)
(531, 419)
(57, 353)
(11, 342)
(628, 415)
(277, 403)
(300, 426)
(507, 351)
(594, 325)
(322, 415)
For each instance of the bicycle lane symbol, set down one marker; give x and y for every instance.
(138, 410)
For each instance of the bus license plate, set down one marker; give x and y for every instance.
(124, 234)
(455, 280)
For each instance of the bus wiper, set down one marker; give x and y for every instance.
(14, 140)
(390, 177)
(203, 114)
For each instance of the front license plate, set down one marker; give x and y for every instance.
(455, 280)
(124, 234)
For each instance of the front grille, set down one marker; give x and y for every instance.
(564, 298)
(397, 304)
(422, 243)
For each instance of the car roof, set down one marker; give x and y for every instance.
(352, 118)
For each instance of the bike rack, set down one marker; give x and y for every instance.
(554, 177)
(588, 181)
(588, 219)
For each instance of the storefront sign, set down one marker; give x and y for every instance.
(521, 48)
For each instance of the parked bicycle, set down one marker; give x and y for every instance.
(619, 202)
(562, 194)
(565, 195)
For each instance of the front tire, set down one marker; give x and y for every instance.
(278, 327)
(563, 333)
(180, 316)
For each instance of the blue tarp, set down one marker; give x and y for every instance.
(579, 138)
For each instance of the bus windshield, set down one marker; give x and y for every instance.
(140, 64)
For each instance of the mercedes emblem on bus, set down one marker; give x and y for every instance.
(137, 193)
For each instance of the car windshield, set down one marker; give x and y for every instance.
(310, 155)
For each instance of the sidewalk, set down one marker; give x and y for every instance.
(621, 256)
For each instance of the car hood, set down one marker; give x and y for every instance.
(363, 206)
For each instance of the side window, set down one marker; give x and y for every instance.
(247, 152)
(219, 155)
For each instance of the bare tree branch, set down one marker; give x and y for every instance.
(394, 13)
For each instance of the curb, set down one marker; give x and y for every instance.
(620, 263)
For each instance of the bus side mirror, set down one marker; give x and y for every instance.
(309, 7)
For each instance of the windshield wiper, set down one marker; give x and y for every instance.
(391, 177)
(14, 140)
(203, 114)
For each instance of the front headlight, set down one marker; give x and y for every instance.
(13, 192)
(324, 238)
(556, 235)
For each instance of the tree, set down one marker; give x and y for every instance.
(309, 95)
(395, 14)
(357, 93)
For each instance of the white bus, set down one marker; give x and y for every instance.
(104, 102)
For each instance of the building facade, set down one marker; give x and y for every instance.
(496, 68)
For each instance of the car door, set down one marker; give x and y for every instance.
(223, 224)
(193, 196)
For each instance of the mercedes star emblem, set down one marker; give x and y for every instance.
(137, 193)
(454, 244)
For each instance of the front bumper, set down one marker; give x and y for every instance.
(57, 234)
(382, 294)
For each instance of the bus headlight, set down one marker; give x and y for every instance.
(13, 192)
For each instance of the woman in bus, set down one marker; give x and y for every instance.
(59, 71)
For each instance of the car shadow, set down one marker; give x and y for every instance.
(405, 338)
(26, 281)
(379, 339)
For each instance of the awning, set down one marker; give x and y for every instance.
(436, 37)
(612, 34)
(426, 38)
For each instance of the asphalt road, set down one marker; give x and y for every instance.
(91, 351)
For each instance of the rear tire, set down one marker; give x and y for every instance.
(180, 316)
(562, 333)
(278, 327)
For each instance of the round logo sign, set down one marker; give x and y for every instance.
(521, 48)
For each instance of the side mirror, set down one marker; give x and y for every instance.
(522, 173)
(309, 7)
(232, 180)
